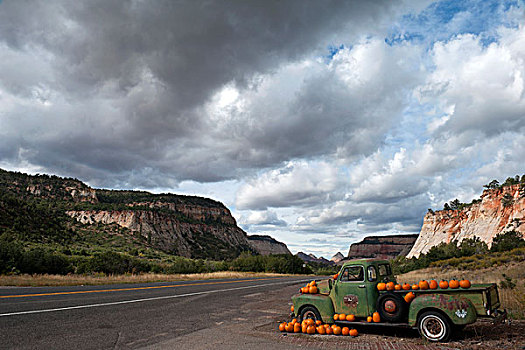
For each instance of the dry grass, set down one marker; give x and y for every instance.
(511, 299)
(73, 280)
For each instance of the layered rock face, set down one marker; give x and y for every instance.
(499, 211)
(337, 257)
(382, 247)
(266, 245)
(312, 258)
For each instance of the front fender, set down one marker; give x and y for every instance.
(459, 310)
(322, 302)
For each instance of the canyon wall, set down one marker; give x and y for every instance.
(382, 247)
(500, 210)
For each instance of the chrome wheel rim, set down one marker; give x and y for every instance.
(433, 327)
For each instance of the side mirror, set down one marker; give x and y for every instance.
(330, 283)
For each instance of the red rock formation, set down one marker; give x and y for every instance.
(500, 210)
(382, 247)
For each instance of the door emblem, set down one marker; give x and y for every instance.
(351, 300)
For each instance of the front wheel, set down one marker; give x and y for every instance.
(434, 326)
(310, 312)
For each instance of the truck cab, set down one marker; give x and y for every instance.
(434, 312)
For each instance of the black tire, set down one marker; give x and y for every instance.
(434, 326)
(392, 307)
(310, 312)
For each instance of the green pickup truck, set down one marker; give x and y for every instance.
(434, 312)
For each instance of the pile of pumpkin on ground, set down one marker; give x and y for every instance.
(309, 326)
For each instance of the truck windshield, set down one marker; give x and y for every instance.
(353, 274)
(384, 270)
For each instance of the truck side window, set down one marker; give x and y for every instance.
(353, 274)
(384, 270)
(372, 273)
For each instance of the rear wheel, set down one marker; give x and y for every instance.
(434, 326)
(310, 312)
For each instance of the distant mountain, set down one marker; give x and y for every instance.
(382, 247)
(314, 259)
(267, 245)
(54, 210)
(337, 257)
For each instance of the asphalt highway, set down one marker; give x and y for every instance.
(122, 316)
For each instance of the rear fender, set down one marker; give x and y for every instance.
(458, 309)
(323, 303)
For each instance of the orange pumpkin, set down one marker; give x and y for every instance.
(310, 330)
(312, 290)
(415, 286)
(289, 327)
(336, 317)
(321, 330)
(304, 328)
(329, 330)
(397, 287)
(311, 284)
(423, 285)
(375, 317)
(310, 322)
(381, 286)
(353, 332)
(390, 286)
(291, 308)
(406, 286)
(369, 319)
(294, 321)
(335, 276)
(409, 297)
(433, 284)
(297, 327)
(350, 318)
(345, 331)
(282, 327)
(318, 322)
(443, 284)
(342, 317)
(464, 284)
(337, 330)
(453, 284)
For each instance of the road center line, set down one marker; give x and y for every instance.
(130, 289)
(146, 299)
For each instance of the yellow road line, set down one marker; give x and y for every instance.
(129, 289)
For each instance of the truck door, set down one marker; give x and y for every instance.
(351, 292)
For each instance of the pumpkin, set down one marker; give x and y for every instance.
(443, 284)
(318, 322)
(312, 290)
(304, 328)
(311, 284)
(433, 284)
(369, 319)
(409, 297)
(342, 317)
(454, 284)
(390, 286)
(353, 332)
(415, 286)
(423, 285)
(297, 327)
(464, 284)
(291, 308)
(336, 317)
(381, 286)
(289, 327)
(310, 330)
(337, 330)
(345, 331)
(350, 318)
(397, 287)
(406, 286)
(375, 317)
(321, 330)
(335, 276)
(310, 322)
(282, 327)
(329, 330)
(294, 321)
(326, 325)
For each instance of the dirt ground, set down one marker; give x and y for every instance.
(255, 327)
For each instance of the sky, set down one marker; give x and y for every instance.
(315, 122)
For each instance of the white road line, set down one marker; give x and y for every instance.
(146, 299)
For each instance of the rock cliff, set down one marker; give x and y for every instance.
(499, 210)
(266, 245)
(382, 247)
(312, 258)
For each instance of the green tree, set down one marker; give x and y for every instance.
(507, 241)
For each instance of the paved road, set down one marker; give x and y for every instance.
(123, 316)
